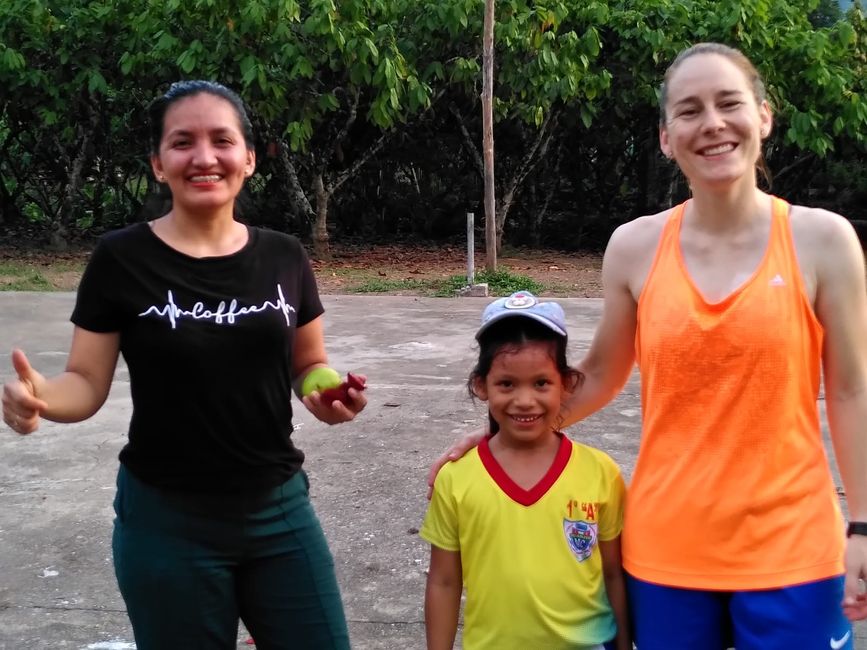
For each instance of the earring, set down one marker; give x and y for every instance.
(161, 179)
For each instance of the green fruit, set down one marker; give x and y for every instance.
(320, 379)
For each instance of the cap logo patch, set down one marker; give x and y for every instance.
(520, 301)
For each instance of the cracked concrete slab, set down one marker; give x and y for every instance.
(368, 477)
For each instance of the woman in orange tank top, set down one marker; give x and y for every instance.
(735, 305)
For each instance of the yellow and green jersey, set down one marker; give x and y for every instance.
(530, 559)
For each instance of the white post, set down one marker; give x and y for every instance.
(471, 250)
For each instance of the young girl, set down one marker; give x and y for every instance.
(529, 521)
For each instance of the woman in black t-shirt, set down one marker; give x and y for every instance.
(216, 322)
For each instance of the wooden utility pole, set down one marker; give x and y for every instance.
(488, 137)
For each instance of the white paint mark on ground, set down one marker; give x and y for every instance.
(418, 387)
(111, 645)
(434, 377)
(630, 413)
(413, 345)
(49, 572)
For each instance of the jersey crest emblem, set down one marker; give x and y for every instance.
(581, 537)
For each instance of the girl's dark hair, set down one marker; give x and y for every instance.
(512, 333)
(188, 88)
(739, 59)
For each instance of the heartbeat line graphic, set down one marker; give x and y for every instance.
(225, 313)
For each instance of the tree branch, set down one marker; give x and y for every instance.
(348, 173)
(472, 149)
(299, 198)
(330, 147)
(540, 146)
(537, 152)
(791, 166)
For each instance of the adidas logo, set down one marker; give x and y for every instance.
(777, 281)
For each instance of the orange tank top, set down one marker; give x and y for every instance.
(732, 488)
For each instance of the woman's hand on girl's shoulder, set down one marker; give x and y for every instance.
(456, 451)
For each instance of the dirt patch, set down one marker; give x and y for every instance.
(575, 275)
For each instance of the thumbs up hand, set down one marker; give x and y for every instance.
(22, 407)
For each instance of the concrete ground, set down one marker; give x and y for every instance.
(57, 587)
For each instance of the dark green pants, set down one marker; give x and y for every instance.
(189, 566)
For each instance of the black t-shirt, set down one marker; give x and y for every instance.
(208, 343)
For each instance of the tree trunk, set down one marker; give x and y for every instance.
(492, 239)
(323, 191)
(8, 211)
(539, 214)
(671, 195)
(537, 152)
(645, 170)
(300, 204)
(505, 204)
(320, 224)
(59, 239)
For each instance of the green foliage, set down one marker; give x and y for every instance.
(379, 285)
(325, 80)
(16, 277)
(295, 63)
(500, 283)
(546, 52)
(503, 282)
(826, 13)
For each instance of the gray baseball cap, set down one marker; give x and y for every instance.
(524, 303)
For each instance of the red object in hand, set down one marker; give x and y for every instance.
(341, 393)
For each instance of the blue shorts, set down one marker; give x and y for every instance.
(804, 616)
